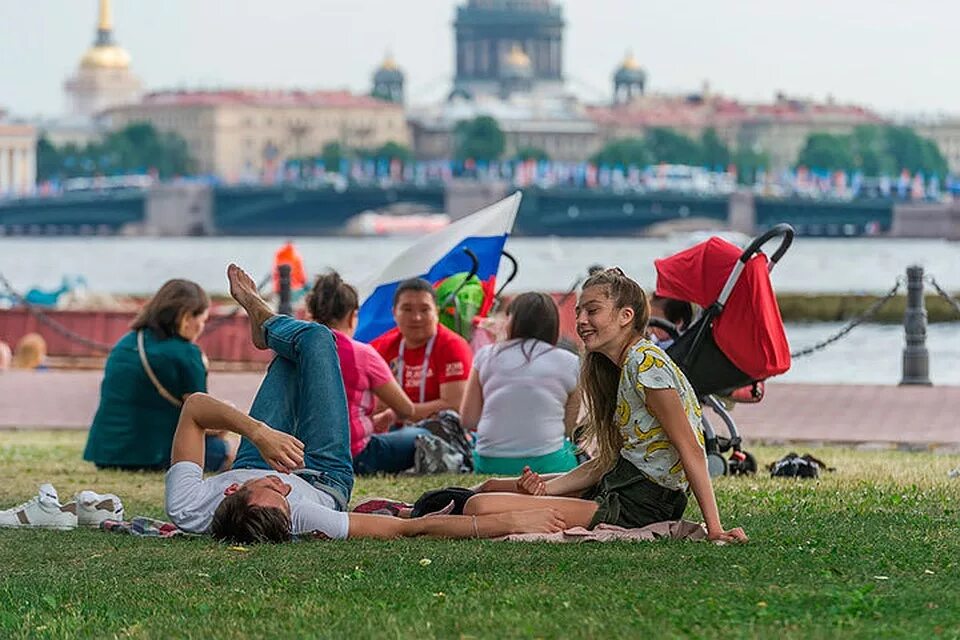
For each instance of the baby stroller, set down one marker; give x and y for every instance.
(738, 341)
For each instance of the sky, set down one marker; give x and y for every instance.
(898, 58)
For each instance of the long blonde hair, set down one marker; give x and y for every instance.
(599, 376)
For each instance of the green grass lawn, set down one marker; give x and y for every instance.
(870, 551)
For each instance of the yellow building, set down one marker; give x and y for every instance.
(103, 78)
(245, 134)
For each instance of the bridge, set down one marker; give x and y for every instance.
(300, 210)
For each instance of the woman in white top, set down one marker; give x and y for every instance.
(522, 397)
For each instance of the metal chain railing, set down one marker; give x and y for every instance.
(96, 345)
(953, 302)
(852, 324)
(50, 322)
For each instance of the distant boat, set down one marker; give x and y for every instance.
(380, 224)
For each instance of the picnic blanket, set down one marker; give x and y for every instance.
(673, 530)
(143, 526)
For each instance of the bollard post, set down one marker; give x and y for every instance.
(284, 308)
(916, 358)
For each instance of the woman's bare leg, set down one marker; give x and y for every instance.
(576, 512)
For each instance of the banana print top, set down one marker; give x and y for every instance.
(645, 443)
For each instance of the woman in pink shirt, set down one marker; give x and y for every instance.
(366, 379)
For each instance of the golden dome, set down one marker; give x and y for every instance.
(105, 57)
(389, 64)
(517, 58)
(105, 54)
(630, 62)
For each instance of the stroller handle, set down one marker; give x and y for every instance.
(513, 273)
(782, 230)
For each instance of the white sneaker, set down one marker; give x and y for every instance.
(93, 508)
(44, 510)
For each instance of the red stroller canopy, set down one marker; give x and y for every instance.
(749, 330)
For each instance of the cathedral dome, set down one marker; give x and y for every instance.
(388, 71)
(630, 71)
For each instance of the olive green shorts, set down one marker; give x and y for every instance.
(627, 498)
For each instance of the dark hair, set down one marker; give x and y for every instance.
(533, 316)
(414, 284)
(237, 521)
(679, 312)
(175, 299)
(331, 299)
(599, 376)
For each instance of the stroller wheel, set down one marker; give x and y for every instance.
(716, 465)
(742, 463)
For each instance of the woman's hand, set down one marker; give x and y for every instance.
(531, 483)
(732, 535)
(384, 420)
(280, 450)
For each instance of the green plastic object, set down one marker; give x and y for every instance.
(458, 308)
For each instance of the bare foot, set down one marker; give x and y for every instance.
(244, 291)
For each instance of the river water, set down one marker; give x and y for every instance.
(140, 265)
(870, 354)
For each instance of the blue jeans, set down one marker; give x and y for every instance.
(302, 394)
(390, 452)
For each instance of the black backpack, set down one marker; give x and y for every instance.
(439, 499)
(794, 466)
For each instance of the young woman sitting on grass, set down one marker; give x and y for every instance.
(522, 397)
(135, 421)
(643, 416)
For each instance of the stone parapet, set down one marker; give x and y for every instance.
(927, 220)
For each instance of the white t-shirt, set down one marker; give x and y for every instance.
(191, 500)
(523, 402)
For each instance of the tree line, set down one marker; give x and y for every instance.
(136, 149)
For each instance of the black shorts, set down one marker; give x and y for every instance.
(627, 498)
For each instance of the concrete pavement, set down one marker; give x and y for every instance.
(922, 416)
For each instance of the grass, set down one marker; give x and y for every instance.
(869, 551)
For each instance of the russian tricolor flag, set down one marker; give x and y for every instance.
(437, 256)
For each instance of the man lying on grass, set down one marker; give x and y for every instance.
(293, 473)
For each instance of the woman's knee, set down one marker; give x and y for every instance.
(474, 505)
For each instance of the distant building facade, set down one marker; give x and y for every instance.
(488, 30)
(240, 134)
(18, 157)
(945, 132)
(509, 66)
(778, 129)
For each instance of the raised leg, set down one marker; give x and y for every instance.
(302, 394)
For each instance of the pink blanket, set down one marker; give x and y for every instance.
(675, 530)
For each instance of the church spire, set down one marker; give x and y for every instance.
(106, 17)
(105, 24)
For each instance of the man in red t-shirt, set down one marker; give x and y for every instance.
(420, 335)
